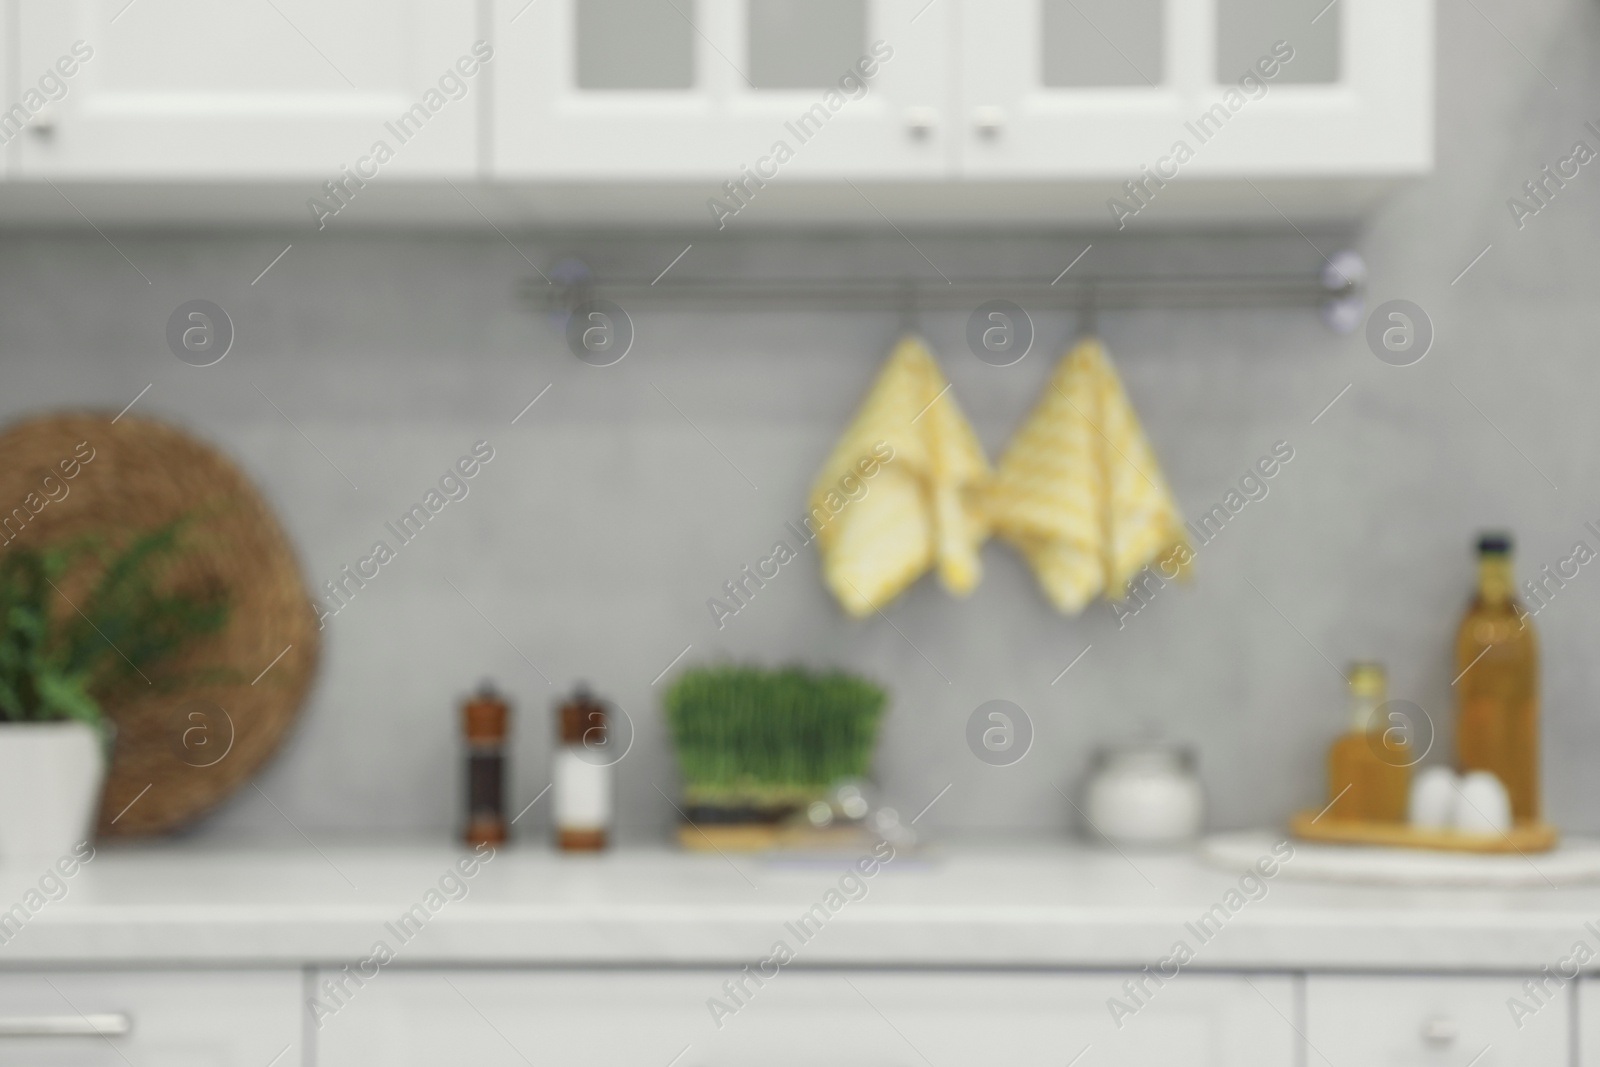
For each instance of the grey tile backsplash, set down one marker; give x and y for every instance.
(605, 519)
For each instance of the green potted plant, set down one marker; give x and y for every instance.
(755, 745)
(61, 660)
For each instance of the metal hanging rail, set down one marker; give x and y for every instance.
(1084, 292)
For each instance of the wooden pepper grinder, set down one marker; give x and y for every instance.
(484, 720)
(582, 775)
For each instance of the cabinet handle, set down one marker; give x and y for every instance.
(988, 121)
(1440, 1031)
(105, 1024)
(921, 121)
(43, 125)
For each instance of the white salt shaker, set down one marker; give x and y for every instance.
(1482, 806)
(1433, 798)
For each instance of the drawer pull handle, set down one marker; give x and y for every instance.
(106, 1024)
(1440, 1031)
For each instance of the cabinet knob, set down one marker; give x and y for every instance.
(1440, 1031)
(988, 121)
(43, 125)
(921, 122)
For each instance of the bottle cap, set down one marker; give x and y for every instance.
(1494, 544)
(1366, 678)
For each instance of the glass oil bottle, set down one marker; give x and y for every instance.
(1369, 766)
(1497, 683)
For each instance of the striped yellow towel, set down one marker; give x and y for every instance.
(1079, 491)
(898, 494)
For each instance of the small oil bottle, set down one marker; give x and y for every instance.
(582, 774)
(484, 719)
(1368, 767)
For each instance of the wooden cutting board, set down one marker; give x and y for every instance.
(1522, 837)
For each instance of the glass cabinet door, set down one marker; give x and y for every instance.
(708, 90)
(639, 45)
(803, 44)
(1216, 88)
(1086, 43)
(1247, 29)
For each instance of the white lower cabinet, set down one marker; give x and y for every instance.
(720, 1018)
(803, 1019)
(155, 1018)
(1587, 1029)
(1436, 1021)
(797, 1018)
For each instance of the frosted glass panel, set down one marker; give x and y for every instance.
(1247, 30)
(804, 44)
(635, 44)
(1100, 42)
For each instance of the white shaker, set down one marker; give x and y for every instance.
(582, 785)
(1482, 804)
(1433, 798)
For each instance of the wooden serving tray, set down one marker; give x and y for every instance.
(1522, 837)
(759, 837)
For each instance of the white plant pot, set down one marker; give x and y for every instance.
(50, 779)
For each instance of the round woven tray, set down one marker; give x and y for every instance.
(179, 751)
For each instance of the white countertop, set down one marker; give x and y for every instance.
(1038, 905)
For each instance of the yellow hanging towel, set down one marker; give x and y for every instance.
(1079, 491)
(919, 467)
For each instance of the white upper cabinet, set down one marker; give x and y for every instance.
(1203, 88)
(645, 90)
(191, 90)
(625, 112)
(12, 124)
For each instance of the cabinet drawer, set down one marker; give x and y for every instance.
(803, 1019)
(114, 1019)
(1426, 1021)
